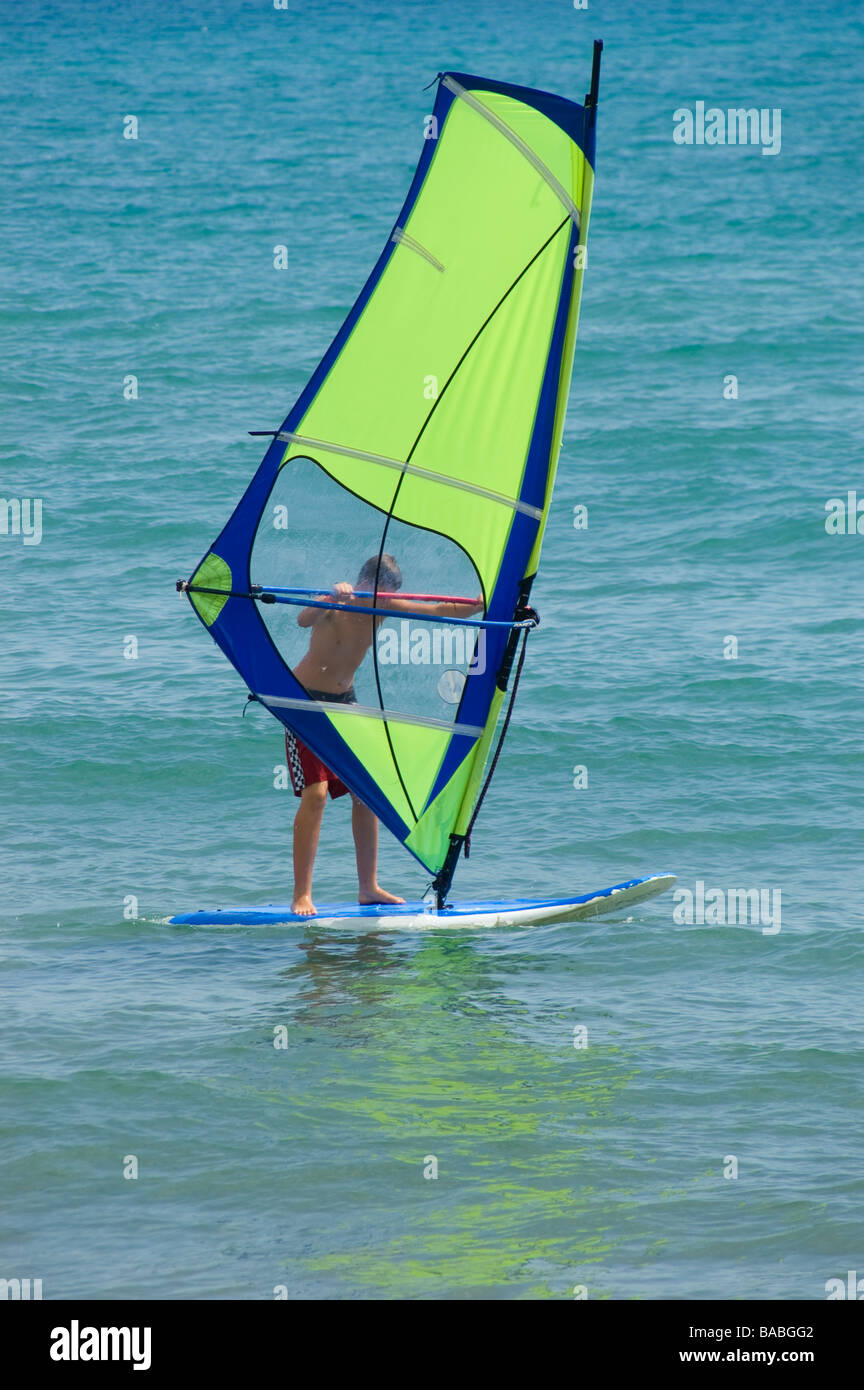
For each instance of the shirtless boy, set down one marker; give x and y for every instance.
(338, 643)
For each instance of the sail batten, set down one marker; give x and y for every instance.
(325, 446)
(371, 712)
(403, 239)
(519, 144)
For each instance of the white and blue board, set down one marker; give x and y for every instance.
(418, 916)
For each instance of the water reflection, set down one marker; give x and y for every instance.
(408, 1049)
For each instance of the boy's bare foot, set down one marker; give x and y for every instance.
(378, 895)
(303, 906)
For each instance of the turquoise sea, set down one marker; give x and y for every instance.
(132, 787)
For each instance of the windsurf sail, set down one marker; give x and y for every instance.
(428, 436)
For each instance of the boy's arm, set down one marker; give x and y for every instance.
(435, 610)
(308, 617)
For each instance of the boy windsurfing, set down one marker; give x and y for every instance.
(338, 644)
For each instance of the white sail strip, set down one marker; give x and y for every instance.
(288, 437)
(370, 712)
(403, 239)
(542, 169)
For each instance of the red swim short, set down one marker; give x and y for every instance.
(306, 767)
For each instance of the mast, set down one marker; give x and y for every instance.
(591, 96)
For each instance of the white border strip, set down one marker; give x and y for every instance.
(372, 712)
(403, 239)
(287, 437)
(542, 169)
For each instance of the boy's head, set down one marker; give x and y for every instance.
(384, 570)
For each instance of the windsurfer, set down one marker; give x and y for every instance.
(338, 643)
